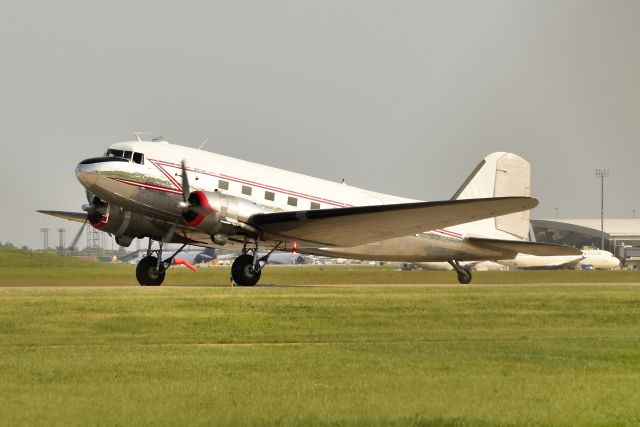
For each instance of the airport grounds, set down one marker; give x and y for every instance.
(82, 344)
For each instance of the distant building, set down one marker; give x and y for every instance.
(621, 236)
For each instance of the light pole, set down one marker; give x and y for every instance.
(45, 232)
(602, 174)
(61, 232)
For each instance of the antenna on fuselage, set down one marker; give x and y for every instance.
(138, 134)
(203, 142)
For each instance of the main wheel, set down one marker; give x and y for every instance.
(242, 271)
(464, 276)
(147, 272)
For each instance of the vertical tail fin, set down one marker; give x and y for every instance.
(500, 175)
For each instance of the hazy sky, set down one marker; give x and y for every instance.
(403, 97)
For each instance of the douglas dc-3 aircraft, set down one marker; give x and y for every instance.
(175, 194)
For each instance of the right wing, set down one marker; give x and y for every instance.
(347, 227)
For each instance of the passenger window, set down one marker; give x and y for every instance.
(138, 158)
(223, 185)
(246, 190)
(269, 195)
(315, 205)
(292, 201)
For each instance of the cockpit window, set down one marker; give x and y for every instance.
(138, 158)
(115, 153)
(127, 155)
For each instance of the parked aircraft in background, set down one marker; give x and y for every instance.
(171, 193)
(597, 258)
(472, 265)
(208, 255)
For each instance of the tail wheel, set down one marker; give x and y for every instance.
(242, 271)
(147, 272)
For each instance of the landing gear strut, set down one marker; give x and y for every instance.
(464, 274)
(247, 268)
(152, 268)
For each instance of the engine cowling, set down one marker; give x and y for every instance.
(220, 215)
(123, 225)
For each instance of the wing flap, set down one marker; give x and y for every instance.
(347, 227)
(510, 248)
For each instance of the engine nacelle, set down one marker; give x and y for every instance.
(122, 224)
(220, 215)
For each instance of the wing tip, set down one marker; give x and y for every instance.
(70, 216)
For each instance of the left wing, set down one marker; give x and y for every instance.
(71, 216)
(347, 227)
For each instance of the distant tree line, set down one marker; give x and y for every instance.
(10, 245)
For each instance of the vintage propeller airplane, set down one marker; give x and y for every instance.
(175, 194)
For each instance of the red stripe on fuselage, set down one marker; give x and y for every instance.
(147, 186)
(448, 233)
(157, 163)
(167, 174)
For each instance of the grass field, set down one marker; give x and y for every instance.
(19, 268)
(403, 354)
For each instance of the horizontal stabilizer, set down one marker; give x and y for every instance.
(510, 248)
(71, 216)
(347, 227)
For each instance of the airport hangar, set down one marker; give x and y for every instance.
(621, 236)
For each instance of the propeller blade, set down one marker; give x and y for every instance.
(74, 242)
(185, 199)
(185, 183)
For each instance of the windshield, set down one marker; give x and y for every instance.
(127, 155)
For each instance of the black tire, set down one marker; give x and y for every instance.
(147, 272)
(464, 277)
(242, 271)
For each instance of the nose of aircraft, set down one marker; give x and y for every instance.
(86, 173)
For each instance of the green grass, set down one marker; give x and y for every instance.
(298, 355)
(19, 268)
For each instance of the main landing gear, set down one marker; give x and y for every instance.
(464, 274)
(152, 268)
(247, 268)
(245, 271)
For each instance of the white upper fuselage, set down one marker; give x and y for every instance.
(210, 172)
